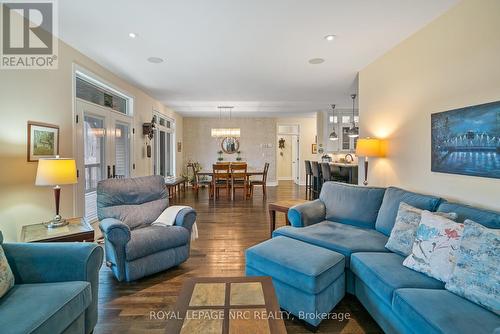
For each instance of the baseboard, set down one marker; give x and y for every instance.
(285, 178)
(272, 183)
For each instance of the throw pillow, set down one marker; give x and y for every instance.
(405, 228)
(476, 275)
(6, 276)
(433, 251)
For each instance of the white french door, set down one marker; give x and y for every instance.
(104, 150)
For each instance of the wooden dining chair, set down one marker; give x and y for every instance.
(198, 181)
(261, 182)
(221, 179)
(239, 179)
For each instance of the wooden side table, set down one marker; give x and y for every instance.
(77, 230)
(281, 206)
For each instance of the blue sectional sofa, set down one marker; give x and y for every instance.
(56, 288)
(356, 221)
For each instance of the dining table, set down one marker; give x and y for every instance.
(248, 172)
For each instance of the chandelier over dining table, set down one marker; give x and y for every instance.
(225, 132)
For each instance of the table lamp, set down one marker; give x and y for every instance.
(56, 172)
(369, 147)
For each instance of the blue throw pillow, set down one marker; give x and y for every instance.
(477, 275)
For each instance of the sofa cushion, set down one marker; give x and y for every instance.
(152, 239)
(341, 238)
(306, 267)
(343, 203)
(390, 204)
(490, 219)
(6, 276)
(43, 308)
(440, 311)
(383, 273)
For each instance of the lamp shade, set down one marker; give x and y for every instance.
(56, 172)
(369, 147)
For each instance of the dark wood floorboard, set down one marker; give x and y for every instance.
(226, 229)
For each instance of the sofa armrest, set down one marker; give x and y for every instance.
(307, 214)
(186, 218)
(115, 231)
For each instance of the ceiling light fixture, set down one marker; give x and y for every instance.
(353, 132)
(333, 135)
(316, 61)
(132, 35)
(155, 60)
(330, 38)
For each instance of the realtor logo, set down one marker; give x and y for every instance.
(28, 35)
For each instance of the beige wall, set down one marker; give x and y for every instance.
(256, 133)
(307, 127)
(46, 96)
(451, 63)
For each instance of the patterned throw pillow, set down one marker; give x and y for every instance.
(477, 274)
(435, 246)
(6, 276)
(405, 229)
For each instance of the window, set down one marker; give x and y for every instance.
(346, 119)
(333, 119)
(164, 153)
(90, 92)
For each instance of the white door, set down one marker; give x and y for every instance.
(295, 160)
(104, 150)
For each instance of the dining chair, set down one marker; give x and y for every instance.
(239, 178)
(261, 182)
(221, 179)
(309, 178)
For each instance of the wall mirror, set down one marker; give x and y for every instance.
(230, 145)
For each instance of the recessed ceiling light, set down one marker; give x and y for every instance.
(132, 35)
(316, 61)
(330, 38)
(155, 60)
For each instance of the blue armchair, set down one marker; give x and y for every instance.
(134, 248)
(56, 287)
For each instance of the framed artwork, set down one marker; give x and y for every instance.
(43, 141)
(314, 148)
(467, 141)
(179, 146)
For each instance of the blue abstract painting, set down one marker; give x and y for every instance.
(467, 141)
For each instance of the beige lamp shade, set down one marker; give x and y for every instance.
(369, 147)
(56, 172)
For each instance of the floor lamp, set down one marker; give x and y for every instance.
(368, 147)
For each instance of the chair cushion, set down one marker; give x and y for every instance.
(383, 273)
(43, 308)
(389, 209)
(440, 311)
(343, 203)
(301, 265)
(341, 238)
(152, 239)
(490, 219)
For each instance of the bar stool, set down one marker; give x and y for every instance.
(325, 172)
(317, 179)
(309, 179)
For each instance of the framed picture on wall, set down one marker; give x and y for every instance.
(43, 141)
(314, 148)
(179, 146)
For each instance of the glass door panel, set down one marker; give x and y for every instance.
(121, 167)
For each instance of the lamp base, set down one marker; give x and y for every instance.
(58, 221)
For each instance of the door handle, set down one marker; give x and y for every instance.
(109, 171)
(114, 171)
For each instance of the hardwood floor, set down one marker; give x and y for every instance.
(226, 229)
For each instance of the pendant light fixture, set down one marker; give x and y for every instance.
(225, 132)
(353, 132)
(333, 135)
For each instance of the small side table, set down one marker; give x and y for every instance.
(281, 206)
(77, 230)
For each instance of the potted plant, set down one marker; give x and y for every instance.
(220, 158)
(238, 157)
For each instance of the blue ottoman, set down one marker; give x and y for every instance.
(309, 280)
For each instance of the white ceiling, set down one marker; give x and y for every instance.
(252, 54)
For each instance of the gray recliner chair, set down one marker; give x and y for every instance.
(134, 248)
